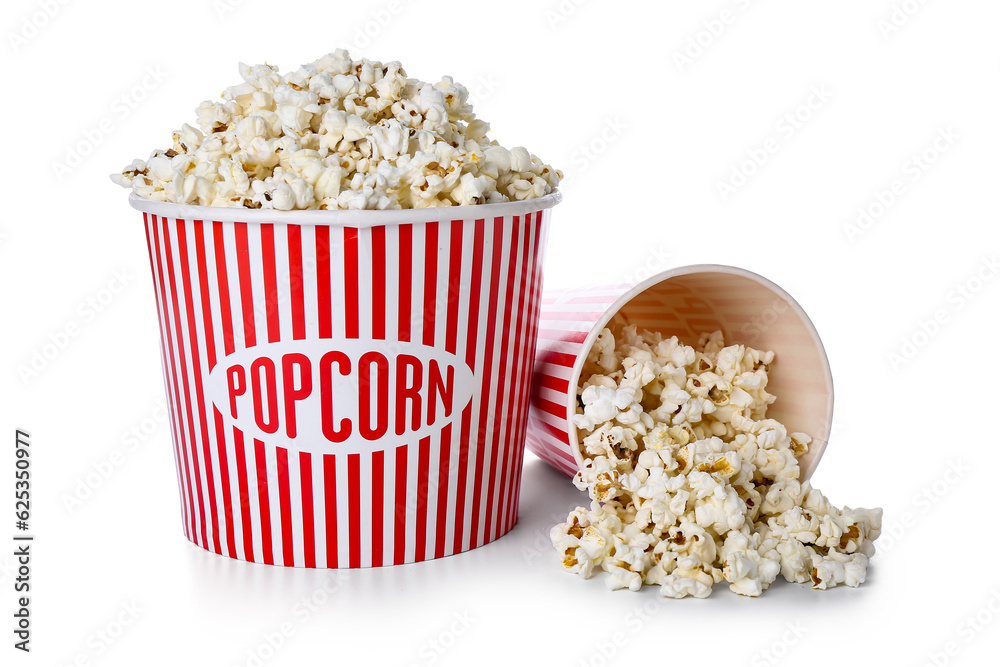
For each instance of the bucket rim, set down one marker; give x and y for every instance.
(344, 218)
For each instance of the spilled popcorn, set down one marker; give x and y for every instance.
(338, 134)
(691, 484)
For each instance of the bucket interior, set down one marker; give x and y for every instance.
(749, 310)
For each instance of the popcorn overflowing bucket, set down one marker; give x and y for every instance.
(685, 302)
(347, 388)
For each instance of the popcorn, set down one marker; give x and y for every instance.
(837, 568)
(691, 484)
(750, 566)
(339, 134)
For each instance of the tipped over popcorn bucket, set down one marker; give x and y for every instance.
(347, 388)
(683, 302)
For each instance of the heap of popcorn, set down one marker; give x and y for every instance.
(691, 485)
(338, 134)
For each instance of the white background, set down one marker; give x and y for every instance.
(598, 89)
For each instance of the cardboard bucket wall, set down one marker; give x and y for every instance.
(685, 302)
(347, 388)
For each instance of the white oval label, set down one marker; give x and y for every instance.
(340, 396)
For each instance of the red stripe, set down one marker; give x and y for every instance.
(330, 498)
(378, 283)
(225, 306)
(351, 281)
(299, 333)
(450, 344)
(206, 447)
(429, 310)
(423, 468)
(548, 418)
(551, 382)
(444, 470)
(285, 507)
(454, 286)
(246, 286)
(563, 347)
(570, 470)
(399, 531)
(561, 435)
(404, 317)
(405, 278)
(378, 497)
(182, 359)
(166, 346)
(553, 409)
(501, 413)
(354, 507)
(205, 290)
(295, 282)
(463, 474)
(430, 282)
(560, 359)
(308, 515)
(351, 318)
(487, 374)
(472, 333)
(270, 283)
(561, 455)
(244, 482)
(210, 343)
(378, 333)
(266, 540)
(324, 299)
(323, 277)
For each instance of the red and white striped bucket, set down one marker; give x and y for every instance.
(347, 388)
(685, 302)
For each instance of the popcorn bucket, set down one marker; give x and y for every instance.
(347, 388)
(685, 302)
